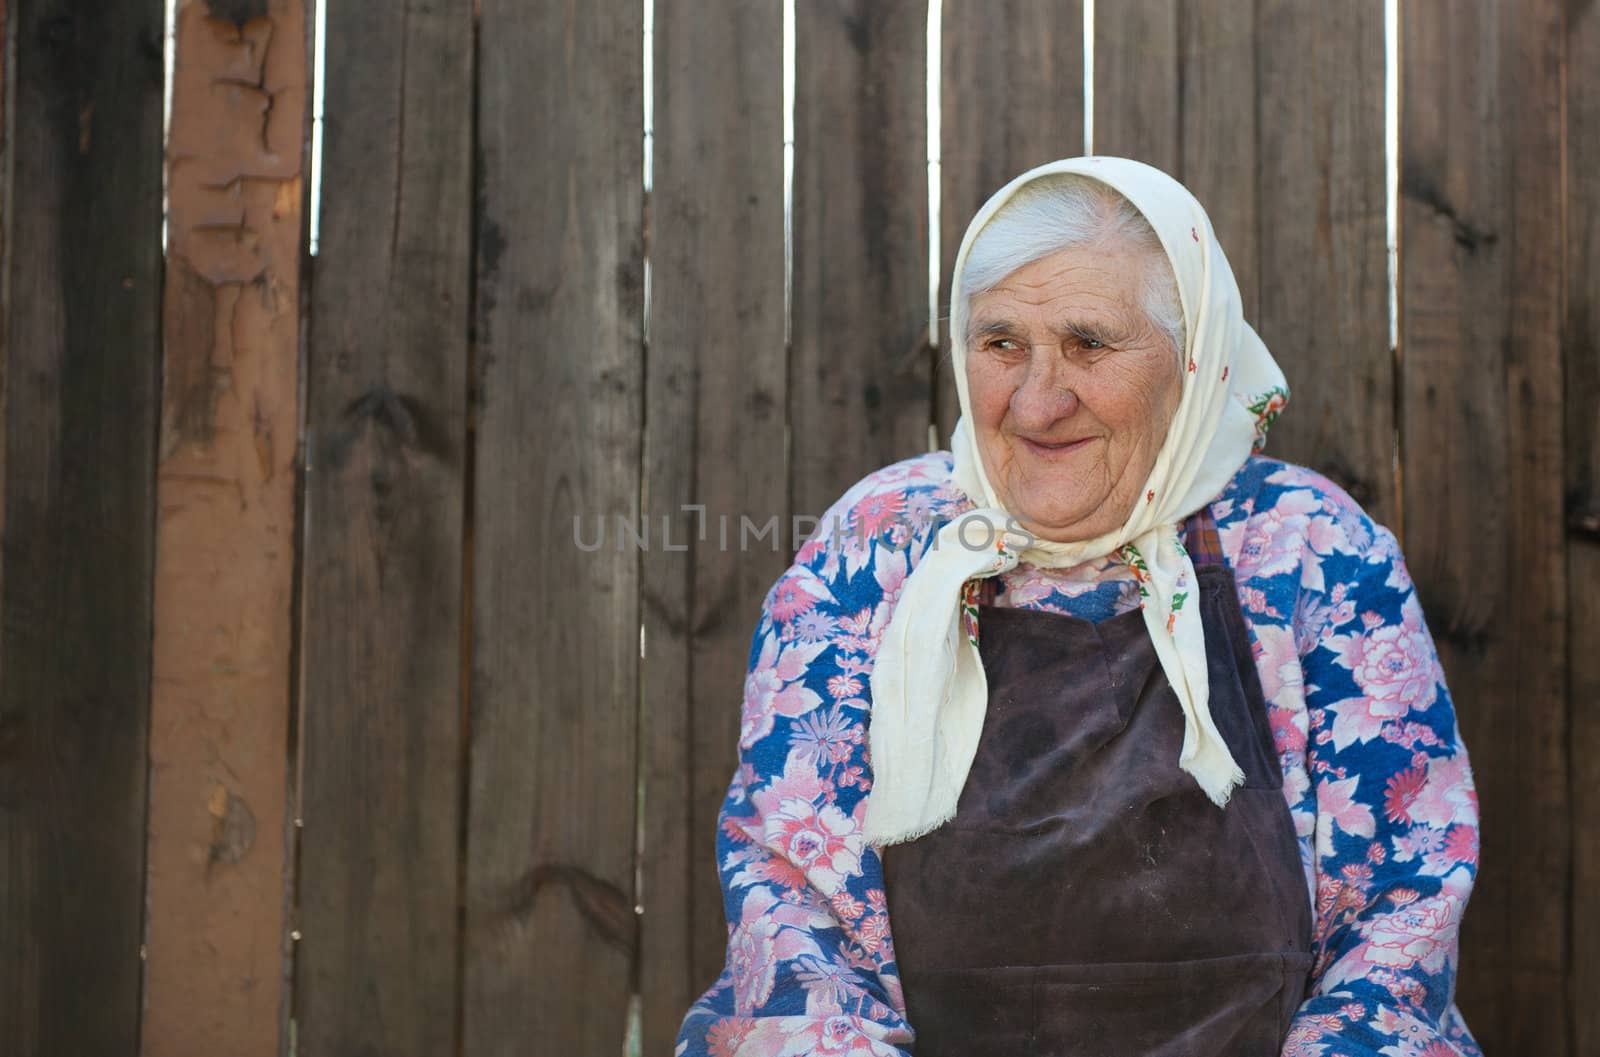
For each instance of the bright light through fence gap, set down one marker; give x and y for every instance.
(649, 92)
(320, 59)
(1391, 158)
(1391, 152)
(649, 120)
(632, 1039)
(1088, 77)
(169, 53)
(788, 169)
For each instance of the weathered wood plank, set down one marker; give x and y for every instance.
(861, 368)
(215, 970)
(1482, 462)
(552, 930)
(1218, 139)
(83, 245)
(1581, 349)
(1323, 272)
(1137, 96)
(1175, 86)
(377, 968)
(993, 127)
(717, 376)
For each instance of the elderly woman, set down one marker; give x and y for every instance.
(1102, 734)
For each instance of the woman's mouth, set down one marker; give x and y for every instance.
(1053, 449)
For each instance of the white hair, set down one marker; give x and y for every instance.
(1066, 210)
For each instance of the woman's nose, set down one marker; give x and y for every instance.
(1045, 395)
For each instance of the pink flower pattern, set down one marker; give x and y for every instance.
(1377, 781)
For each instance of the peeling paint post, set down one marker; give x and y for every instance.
(225, 548)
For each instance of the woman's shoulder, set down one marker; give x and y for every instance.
(898, 505)
(931, 474)
(854, 556)
(824, 618)
(1297, 498)
(1277, 519)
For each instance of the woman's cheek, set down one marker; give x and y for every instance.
(989, 390)
(1139, 403)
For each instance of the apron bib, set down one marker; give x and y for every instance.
(1088, 900)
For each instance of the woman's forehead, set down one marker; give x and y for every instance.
(1077, 280)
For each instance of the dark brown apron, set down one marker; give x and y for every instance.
(1088, 900)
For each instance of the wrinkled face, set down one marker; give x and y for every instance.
(1072, 389)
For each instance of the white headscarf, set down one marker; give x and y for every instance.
(929, 693)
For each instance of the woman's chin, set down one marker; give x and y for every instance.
(1059, 526)
(1061, 516)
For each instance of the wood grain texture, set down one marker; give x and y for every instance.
(1137, 91)
(992, 127)
(552, 931)
(1581, 352)
(217, 948)
(861, 368)
(1482, 461)
(716, 385)
(82, 341)
(377, 968)
(1323, 271)
(1175, 86)
(1219, 152)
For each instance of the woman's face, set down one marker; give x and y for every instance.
(1072, 389)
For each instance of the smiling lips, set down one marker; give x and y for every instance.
(1053, 449)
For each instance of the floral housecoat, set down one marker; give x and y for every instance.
(1374, 771)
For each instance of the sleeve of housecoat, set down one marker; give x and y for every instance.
(1396, 831)
(810, 964)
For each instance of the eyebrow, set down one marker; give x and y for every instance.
(1084, 330)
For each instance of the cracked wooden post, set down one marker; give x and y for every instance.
(860, 242)
(217, 953)
(717, 383)
(559, 379)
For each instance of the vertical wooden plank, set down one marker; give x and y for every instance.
(555, 630)
(1137, 91)
(861, 374)
(993, 127)
(1175, 86)
(377, 968)
(225, 544)
(716, 384)
(1218, 106)
(84, 264)
(1482, 463)
(1324, 308)
(1581, 349)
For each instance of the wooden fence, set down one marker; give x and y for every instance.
(318, 732)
